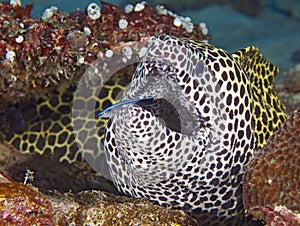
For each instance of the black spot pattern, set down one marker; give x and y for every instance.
(205, 177)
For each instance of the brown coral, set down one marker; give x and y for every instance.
(272, 179)
(276, 215)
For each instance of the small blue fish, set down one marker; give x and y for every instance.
(107, 112)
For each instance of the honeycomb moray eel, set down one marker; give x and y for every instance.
(189, 149)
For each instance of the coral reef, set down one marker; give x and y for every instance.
(24, 205)
(106, 209)
(57, 48)
(272, 180)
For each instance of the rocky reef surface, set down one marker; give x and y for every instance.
(24, 205)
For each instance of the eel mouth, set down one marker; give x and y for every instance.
(175, 115)
(166, 113)
(170, 105)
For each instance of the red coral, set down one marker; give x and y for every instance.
(21, 205)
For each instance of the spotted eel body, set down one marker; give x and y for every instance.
(190, 148)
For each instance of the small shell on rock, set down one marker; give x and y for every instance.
(123, 24)
(127, 52)
(87, 30)
(202, 25)
(189, 27)
(161, 10)
(177, 22)
(128, 8)
(109, 53)
(139, 7)
(204, 29)
(48, 13)
(187, 19)
(19, 39)
(94, 11)
(10, 56)
(15, 2)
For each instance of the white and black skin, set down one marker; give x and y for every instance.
(190, 148)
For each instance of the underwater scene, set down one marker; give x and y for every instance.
(154, 112)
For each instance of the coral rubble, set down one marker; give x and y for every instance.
(271, 181)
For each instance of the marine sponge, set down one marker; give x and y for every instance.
(272, 178)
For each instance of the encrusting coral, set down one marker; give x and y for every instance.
(272, 180)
